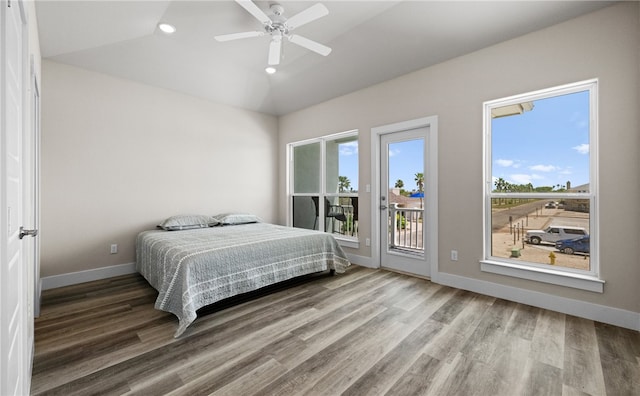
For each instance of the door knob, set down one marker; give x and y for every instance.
(24, 233)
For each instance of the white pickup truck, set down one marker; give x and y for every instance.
(553, 233)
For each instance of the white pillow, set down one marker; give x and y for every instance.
(188, 222)
(236, 218)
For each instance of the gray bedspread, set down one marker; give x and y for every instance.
(194, 268)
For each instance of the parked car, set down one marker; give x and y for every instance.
(570, 246)
(552, 234)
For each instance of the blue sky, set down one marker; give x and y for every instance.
(348, 162)
(405, 160)
(546, 146)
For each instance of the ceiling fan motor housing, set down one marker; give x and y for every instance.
(277, 9)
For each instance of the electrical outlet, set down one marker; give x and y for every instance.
(454, 255)
(114, 248)
(367, 242)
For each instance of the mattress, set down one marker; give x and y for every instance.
(191, 269)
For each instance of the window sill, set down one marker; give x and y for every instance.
(555, 277)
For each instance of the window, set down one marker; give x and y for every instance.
(323, 184)
(540, 186)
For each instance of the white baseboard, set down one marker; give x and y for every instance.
(596, 312)
(360, 260)
(55, 281)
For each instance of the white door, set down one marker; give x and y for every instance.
(14, 329)
(405, 199)
(31, 246)
(402, 234)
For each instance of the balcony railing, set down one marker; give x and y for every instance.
(405, 229)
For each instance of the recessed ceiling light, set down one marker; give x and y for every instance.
(167, 28)
(270, 70)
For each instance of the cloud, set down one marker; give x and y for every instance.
(350, 148)
(582, 148)
(543, 168)
(522, 178)
(393, 153)
(504, 163)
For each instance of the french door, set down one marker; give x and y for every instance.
(405, 202)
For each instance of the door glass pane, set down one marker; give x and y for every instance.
(306, 168)
(406, 196)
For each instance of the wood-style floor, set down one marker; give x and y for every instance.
(366, 332)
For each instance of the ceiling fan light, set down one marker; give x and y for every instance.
(270, 70)
(167, 28)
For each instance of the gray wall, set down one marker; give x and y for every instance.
(118, 157)
(600, 45)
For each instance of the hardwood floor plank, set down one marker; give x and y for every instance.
(381, 376)
(365, 332)
(523, 321)
(452, 307)
(539, 379)
(418, 378)
(620, 357)
(447, 344)
(254, 380)
(582, 366)
(616, 342)
(342, 374)
(547, 344)
(156, 386)
(482, 343)
(467, 376)
(305, 375)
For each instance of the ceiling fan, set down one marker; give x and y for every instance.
(280, 27)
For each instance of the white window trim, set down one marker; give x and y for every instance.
(343, 240)
(585, 280)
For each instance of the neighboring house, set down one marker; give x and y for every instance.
(577, 205)
(401, 200)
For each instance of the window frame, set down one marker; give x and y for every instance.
(344, 240)
(564, 276)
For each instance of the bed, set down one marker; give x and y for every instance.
(195, 267)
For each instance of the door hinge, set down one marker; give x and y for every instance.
(8, 3)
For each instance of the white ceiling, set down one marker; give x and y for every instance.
(372, 41)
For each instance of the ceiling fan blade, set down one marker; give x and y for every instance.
(255, 11)
(310, 44)
(310, 14)
(275, 49)
(236, 36)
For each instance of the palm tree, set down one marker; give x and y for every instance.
(420, 183)
(501, 185)
(399, 183)
(343, 183)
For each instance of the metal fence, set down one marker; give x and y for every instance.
(405, 229)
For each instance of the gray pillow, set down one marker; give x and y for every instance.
(188, 222)
(236, 218)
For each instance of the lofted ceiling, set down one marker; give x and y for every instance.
(372, 41)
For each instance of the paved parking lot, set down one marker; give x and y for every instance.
(503, 240)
